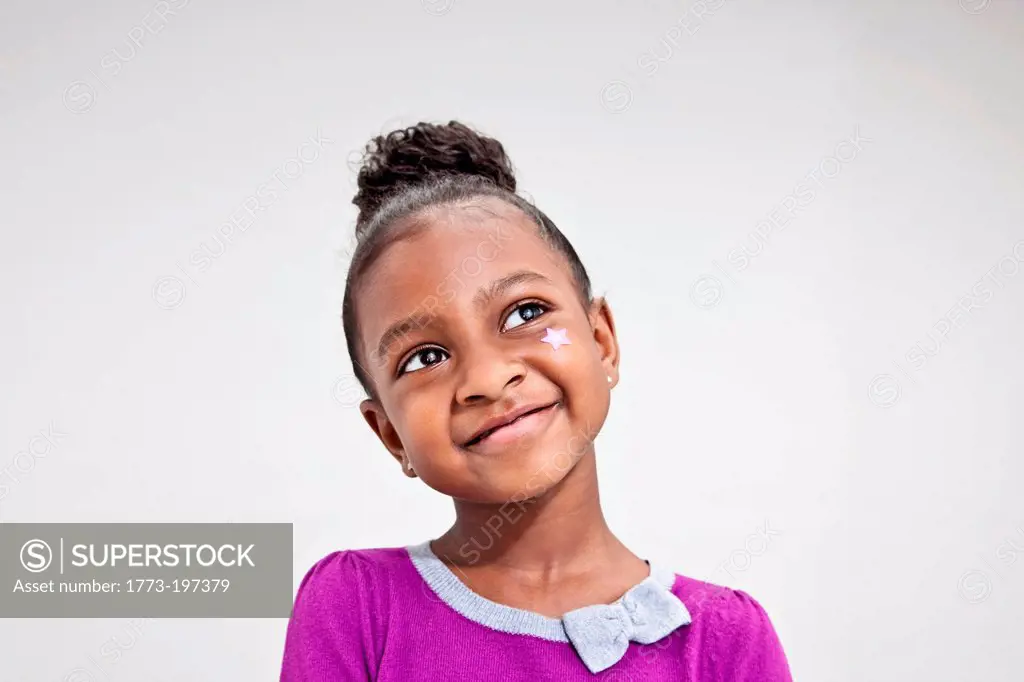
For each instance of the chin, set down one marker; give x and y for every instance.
(506, 481)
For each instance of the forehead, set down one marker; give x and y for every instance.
(438, 267)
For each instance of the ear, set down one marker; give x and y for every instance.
(603, 324)
(378, 420)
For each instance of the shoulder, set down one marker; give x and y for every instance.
(346, 576)
(723, 607)
(349, 567)
(340, 615)
(733, 631)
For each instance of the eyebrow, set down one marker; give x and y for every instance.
(484, 295)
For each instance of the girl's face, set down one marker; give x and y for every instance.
(472, 296)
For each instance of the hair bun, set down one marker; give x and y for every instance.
(410, 156)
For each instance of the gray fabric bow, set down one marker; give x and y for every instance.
(601, 633)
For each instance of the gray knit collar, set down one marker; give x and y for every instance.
(446, 586)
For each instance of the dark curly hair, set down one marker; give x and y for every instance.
(414, 169)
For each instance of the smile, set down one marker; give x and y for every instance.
(526, 424)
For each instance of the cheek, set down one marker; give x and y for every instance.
(576, 367)
(424, 421)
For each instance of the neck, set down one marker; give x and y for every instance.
(558, 534)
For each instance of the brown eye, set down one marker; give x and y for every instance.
(424, 357)
(526, 312)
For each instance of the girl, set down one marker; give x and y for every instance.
(488, 367)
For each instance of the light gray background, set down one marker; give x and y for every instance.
(783, 399)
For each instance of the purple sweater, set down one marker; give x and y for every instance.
(399, 614)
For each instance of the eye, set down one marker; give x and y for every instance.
(424, 357)
(526, 312)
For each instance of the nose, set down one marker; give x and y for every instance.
(487, 373)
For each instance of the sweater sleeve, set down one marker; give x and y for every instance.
(744, 643)
(330, 632)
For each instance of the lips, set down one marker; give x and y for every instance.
(492, 425)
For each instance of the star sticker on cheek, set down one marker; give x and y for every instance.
(556, 337)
